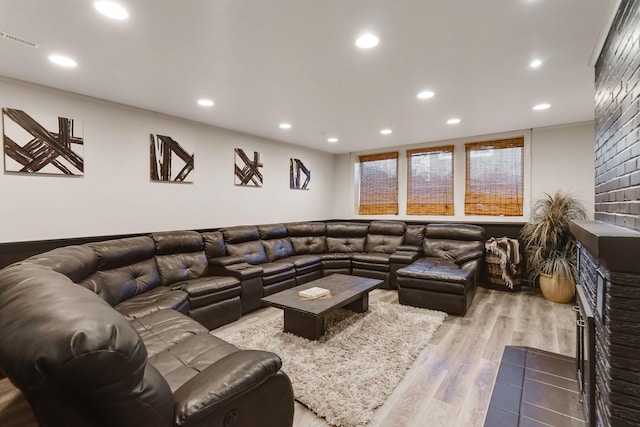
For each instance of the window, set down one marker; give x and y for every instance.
(494, 180)
(378, 184)
(430, 181)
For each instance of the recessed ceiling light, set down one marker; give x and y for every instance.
(205, 102)
(63, 61)
(541, 107)
(535, 63)
(332, 140)
(385, 131)
(285, 126)
(425, 94)
(367, 41)
(111, 9)
(453, 121)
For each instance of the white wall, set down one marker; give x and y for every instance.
(116, 196)
(563, 158)
(556, 158)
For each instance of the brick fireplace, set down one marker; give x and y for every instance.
(609, 280)
(609, 248)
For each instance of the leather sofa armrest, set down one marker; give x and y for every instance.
(468, 256)
(226, 260)
(240, 271)
(227, 379)
(408, 248)
(403, 257)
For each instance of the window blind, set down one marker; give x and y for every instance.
(430, 181)
(378, 184)
(494, 177)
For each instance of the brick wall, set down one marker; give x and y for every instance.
(617, 111)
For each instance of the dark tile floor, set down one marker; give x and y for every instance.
(535, 388)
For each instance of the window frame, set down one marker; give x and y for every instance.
(381, 208)
(495, 208)
(431, 209)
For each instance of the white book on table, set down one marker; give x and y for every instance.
(313, 293)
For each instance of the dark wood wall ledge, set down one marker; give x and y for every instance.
(616, 248)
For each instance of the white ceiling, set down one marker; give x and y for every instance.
(268, 61)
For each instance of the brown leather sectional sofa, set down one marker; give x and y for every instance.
(117, 332)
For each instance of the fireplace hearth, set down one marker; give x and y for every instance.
(608, 324)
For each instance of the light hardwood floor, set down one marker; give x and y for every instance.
(450, 383)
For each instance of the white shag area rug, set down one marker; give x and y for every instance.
(349, 372)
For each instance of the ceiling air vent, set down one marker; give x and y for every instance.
(18, 39)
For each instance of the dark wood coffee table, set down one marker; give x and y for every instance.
(305, 318)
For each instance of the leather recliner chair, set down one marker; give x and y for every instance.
(446, 278)
(80, 363)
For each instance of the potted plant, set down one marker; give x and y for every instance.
(549, 246)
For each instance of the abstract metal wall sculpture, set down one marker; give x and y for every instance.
(247, 171)
(295, 168)
(162, 160)
(30, 148)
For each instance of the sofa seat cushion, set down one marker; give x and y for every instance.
(372, 258)
(276, 272)
(436, 275)
(334, 260)
(371, 261)
(190, 356)
(273, 268)
(159, 298)
(300, 261)
(372, 266)
(336, 256)
(305, 264)
(163, 329)
(208, 285)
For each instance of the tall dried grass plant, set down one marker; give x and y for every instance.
(549, 246)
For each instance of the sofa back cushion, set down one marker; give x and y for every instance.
(125, 268)
(252, 252)
(384, 236)
(305, 229)
(272, 231)
(345, 244)
(346, 237)
(451, 240)
(309, 245)
(308, 237)
(179, 256)
(214, 244)
(347, 229)
(75, 262)
(414, 235)
(240, 234)
(244, 241)
(275, 241)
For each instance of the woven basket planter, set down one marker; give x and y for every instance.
(494, 274)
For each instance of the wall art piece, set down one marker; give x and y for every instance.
(247, 170)
(49, 146)
(296, 169)
(163, 160)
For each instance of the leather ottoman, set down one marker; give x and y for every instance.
(436, 284)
